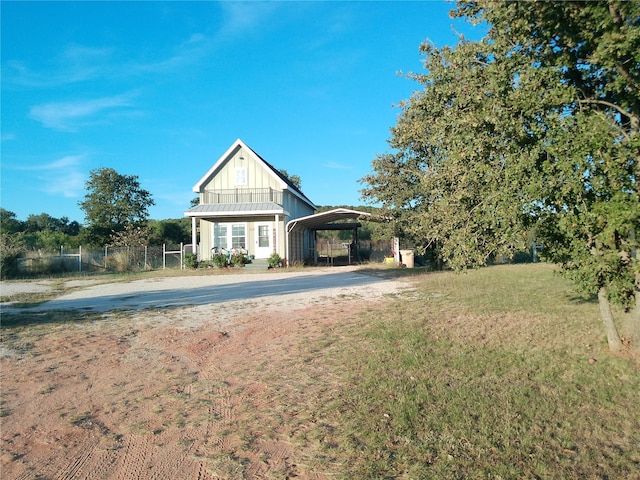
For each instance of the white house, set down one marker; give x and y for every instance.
(244, 202)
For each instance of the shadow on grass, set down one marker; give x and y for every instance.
(581, 300)
(395, 272)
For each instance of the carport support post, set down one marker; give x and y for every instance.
(286, 243)
(396, 250)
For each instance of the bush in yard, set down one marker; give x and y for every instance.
(220, 260)
(191, 260)
(239, 260)
(274, 261)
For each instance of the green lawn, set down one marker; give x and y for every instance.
(497, 373)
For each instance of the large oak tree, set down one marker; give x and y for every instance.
(534, 128)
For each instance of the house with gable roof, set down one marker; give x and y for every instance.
(245, 203)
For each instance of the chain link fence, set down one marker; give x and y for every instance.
(100, 260)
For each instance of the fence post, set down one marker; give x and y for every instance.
(164, 256)
(181, 256)
(145, 257)
(80, 258)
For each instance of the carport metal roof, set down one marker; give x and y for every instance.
(319, 219)
(298, 229)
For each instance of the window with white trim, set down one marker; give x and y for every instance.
(230, 235)
(220, 235)
(241, 176)
(238, 236)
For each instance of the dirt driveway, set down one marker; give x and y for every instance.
(179, 378)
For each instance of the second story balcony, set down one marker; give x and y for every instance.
(242, 195)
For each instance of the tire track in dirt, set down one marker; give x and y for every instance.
(133, 461)
(223, 405)
(102, 467)
(80, 464)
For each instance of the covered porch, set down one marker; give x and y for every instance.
(257, 228)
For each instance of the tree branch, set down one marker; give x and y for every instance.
(635, 121)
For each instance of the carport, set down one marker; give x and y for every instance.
(301, 232)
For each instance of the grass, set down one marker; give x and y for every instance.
(498, 373)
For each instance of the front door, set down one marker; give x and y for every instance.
(264, 240)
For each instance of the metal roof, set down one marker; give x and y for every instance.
(235, 209)
(322, 218)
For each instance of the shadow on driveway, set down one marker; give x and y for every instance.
(188, 297)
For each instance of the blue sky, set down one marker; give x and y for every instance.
(161, 89)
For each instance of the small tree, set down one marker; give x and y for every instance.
(113, 202)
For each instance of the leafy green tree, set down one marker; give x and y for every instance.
(44, 221)
(535, 127)
(171, 231)
(49, 240)
(113, 204)
(9, 223)
(295, 179)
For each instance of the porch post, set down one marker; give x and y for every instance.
(194, 238)
(278, 237)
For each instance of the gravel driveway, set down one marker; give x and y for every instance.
(186, 291)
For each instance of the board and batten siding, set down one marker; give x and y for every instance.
(257, 176)
(296, 207)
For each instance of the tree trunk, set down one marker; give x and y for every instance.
(615, 344)
(635, 319)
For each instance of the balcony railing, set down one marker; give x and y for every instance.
(243, 195)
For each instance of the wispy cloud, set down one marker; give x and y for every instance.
(68, 116)
(240, 20)
(76, 63)
(62, 163)
(69, 185)
(81, 63)
(242, 17)
(7, 137)
(337, 166)
(64, 176)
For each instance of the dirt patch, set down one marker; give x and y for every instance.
(230, 390)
